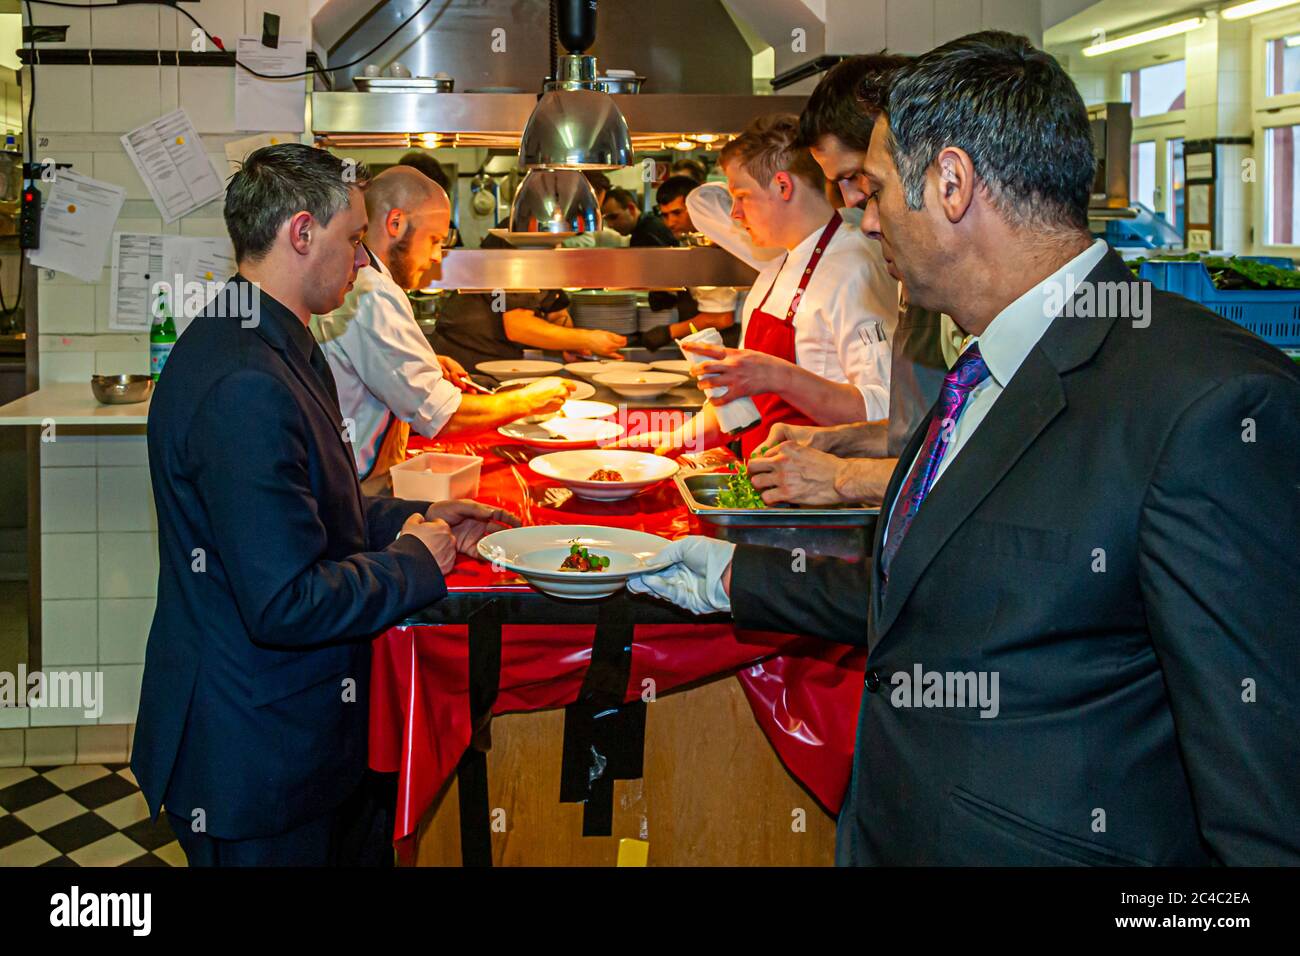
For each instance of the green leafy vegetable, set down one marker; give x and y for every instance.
(1233, 273)
(740, 491)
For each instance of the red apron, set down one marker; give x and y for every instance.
(775, 336)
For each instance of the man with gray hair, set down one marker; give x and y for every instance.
(274, 570)
(1098, 519)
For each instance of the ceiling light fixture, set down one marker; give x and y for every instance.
(1146, 36)
(1255, 7)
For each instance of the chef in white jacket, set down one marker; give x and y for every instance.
(814, 348)
(388, 377)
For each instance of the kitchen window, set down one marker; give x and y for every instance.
(1142, 174)
(1282, 65)
(1154, 90)
(1281, 170)
(1175, 184)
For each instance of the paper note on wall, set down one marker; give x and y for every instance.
(187, 270)
(271, 104)
(169, 157)
(77, 220)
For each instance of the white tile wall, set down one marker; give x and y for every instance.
(69, 566)
(124, 629)
(125, 499)
(121, 693)
(294, 23)
(68, 500)
(909, 27)
(208, 96)
(129, 28)
(78, 22)
(124, 448)
(63, 100)
(70, 448)
(128, 564)
(67, 309)
(69, 632)
(955, 18)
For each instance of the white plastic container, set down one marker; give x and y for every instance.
(734, 416)
(435, 476)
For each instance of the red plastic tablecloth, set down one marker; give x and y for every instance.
(804, 693)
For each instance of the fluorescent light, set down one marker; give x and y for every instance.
(1147, 36)
(1293, 40)
(1242, 10)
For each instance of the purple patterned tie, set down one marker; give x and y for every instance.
(969, 371)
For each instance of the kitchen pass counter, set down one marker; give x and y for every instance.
(70, 403)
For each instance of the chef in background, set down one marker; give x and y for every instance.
(622, 213)
(813, 343)
(389, 378)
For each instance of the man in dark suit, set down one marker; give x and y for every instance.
(274, 570)
(1081, 610)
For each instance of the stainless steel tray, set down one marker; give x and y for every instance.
(845, 532)
(403, 84)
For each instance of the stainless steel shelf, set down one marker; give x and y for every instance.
(654, 268)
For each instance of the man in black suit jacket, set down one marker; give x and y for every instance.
(1082, 633)
(274, 570)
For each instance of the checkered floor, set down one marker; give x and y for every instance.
(82, 815)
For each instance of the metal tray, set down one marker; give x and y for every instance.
(845, 532)
(403, 84)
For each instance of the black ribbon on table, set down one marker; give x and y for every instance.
(604, 738)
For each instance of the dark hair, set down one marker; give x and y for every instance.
(675, 187)
(690, 167)
(1016, 113)
(848, 99)
(429, 165)
(770, 145)
(277, 182)
(599, 181)
(621, 196)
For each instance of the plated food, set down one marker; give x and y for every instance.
(538, 553)
(639, 383)
(604, 474)
(580, 559)
(558, 432)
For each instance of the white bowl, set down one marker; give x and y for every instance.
(536, 553)
(436, 476)
(589, 369)
(514, 368)
(640, 384)
(558, 433)
(676, 366)
(581, 390)
(573, 469)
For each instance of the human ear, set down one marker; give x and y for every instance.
(955, 182)
(394, 223)
(784, 184)
(299, 231)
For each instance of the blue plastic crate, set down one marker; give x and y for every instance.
(1272, 314)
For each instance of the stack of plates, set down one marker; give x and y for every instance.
(647, 318)
(611, 311)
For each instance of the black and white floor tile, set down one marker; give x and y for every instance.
(81, 815)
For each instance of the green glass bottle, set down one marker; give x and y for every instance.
(162, 336)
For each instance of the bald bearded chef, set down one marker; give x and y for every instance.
(814, 346)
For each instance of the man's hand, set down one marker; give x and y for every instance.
(434, 535)
(814, 436)
(469, 521)
(453, 371)
(699, 579)
(600, 342)
(545, 395)
(742, 372)
(796, 473)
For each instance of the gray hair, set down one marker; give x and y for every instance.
(277, 182)
(1015, 112)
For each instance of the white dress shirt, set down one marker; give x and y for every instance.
(383, 365)
(1005, 345)
(850, 301)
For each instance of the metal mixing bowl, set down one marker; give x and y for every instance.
(121, 389)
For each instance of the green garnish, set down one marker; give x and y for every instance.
(740, 491)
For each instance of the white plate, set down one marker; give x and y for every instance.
(676, 366)
(573, 469)
(560, 433)
(536, 553)
(639, 384)
(588, 369)
(581, 390)
(513, 368)
(576, 408)
(532, 240)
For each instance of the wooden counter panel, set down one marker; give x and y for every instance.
(714, 794)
